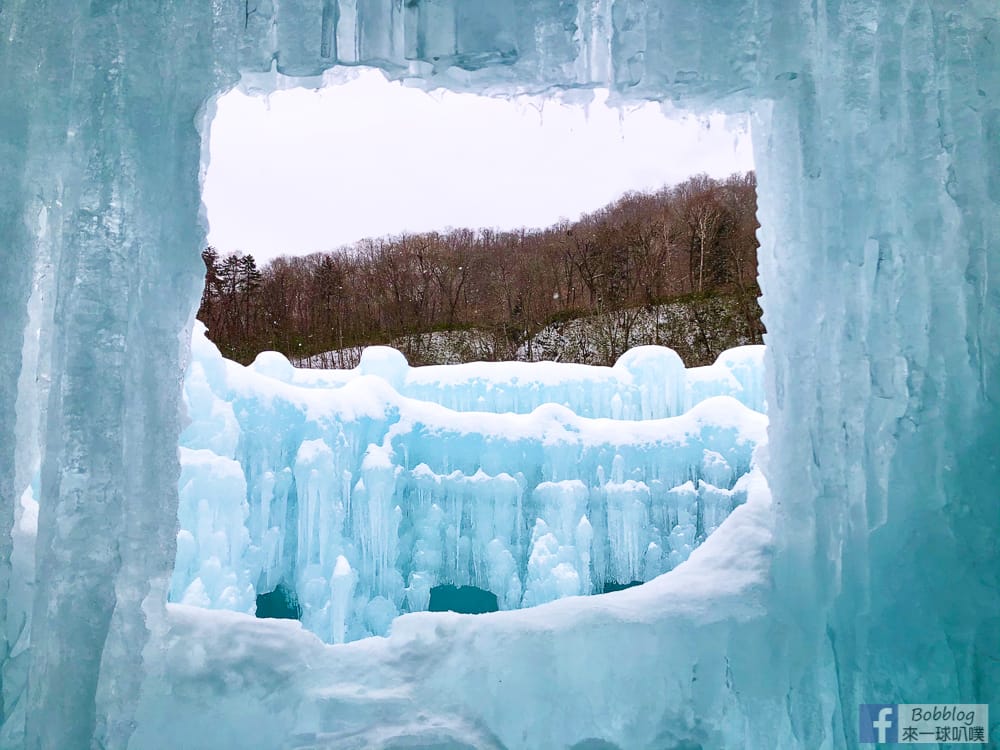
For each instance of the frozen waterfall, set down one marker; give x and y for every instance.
(361, 499)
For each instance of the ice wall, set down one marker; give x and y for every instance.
(361, 498)
(876, 129)
(544, 677)
(879, 265)
(101, 160)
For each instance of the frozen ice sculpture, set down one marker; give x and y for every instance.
(873, 575)
(359, 499)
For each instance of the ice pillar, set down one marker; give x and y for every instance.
(880, 213)
(102, 108)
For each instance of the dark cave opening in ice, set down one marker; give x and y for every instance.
(610, 586)
(466, 600)
(280, 604)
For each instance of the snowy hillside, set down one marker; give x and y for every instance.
(697, 328)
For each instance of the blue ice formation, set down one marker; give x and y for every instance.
(361, 498)
(871, 577)
(647, 382)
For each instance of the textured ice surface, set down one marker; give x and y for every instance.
(875, 126)
(362, 499)
(442, 680)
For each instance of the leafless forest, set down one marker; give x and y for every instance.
(688, 243)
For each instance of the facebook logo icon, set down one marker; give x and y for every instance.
(878, 723)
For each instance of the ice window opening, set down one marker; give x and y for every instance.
(347, 497)
(876, 131)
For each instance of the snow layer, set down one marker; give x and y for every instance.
(647, 382)
(875, 127)
(362, 499)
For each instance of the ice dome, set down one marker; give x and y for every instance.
(274, 365)
(385, 362)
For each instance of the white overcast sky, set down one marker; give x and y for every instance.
(302, 171)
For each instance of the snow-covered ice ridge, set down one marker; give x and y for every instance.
(647, 382)
(362, 490)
